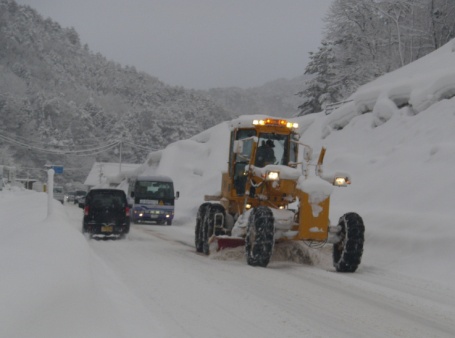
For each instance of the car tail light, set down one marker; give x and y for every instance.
(127, 211)
(86, 210)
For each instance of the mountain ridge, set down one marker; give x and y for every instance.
(56, 92)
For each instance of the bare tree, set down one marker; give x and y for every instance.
(368, 38)
(441, 21)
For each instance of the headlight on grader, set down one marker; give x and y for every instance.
(341, 181)
(293, 125)
(272, 176)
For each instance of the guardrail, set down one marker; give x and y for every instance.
(332, 106)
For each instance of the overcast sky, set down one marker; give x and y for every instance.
(198, 44)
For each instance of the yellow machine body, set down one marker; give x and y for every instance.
(273, 191)
(257, 190)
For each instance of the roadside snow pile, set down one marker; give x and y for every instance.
(48, 286)
(417, 86)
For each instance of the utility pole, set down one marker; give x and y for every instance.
(101, 172)
(50, 192)
(120, 161)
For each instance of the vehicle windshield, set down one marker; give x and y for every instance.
(272, 149)
(154, 190)
(103, 199)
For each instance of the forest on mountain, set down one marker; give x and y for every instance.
(276, 98)
(364, 39)
(62, 103)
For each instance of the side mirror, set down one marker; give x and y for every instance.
(307, 154)
(132, 194)
(177, 195)
(81, 205)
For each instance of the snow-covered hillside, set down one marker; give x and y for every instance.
(401, 161)
(396, 138)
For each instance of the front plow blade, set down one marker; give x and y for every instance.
(218, 243)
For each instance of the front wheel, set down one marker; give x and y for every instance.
(211, 225)
(198, 235)
(347, 253)
(259, 237)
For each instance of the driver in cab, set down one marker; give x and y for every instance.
(265, 154)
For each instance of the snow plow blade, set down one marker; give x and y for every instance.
(218, 243)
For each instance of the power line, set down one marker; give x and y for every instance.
(44, 169)
(138, 146)
(84, 152)
(96, 141)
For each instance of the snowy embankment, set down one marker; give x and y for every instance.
(52, 284)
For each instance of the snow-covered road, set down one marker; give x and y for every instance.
(56, 283)
(191, 295)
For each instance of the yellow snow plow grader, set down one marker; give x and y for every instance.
(274, 191)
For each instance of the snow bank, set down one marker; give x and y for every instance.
(52, 285)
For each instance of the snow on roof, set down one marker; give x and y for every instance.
(245, 121)
(158, 178)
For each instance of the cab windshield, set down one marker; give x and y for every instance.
(154, 190)
(272, 149)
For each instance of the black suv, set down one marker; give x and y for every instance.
(106, 212)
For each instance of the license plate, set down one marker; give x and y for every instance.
(106, 228)
(153, 216)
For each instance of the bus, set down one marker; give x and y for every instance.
(153, 199)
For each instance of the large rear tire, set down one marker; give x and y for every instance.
(198, 239)
(259, 237)
(211, 224)
(347, 253)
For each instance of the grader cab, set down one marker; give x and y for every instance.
(275, 191)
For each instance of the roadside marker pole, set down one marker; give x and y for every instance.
(50, 191)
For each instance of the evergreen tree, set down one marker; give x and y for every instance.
(321, 88)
